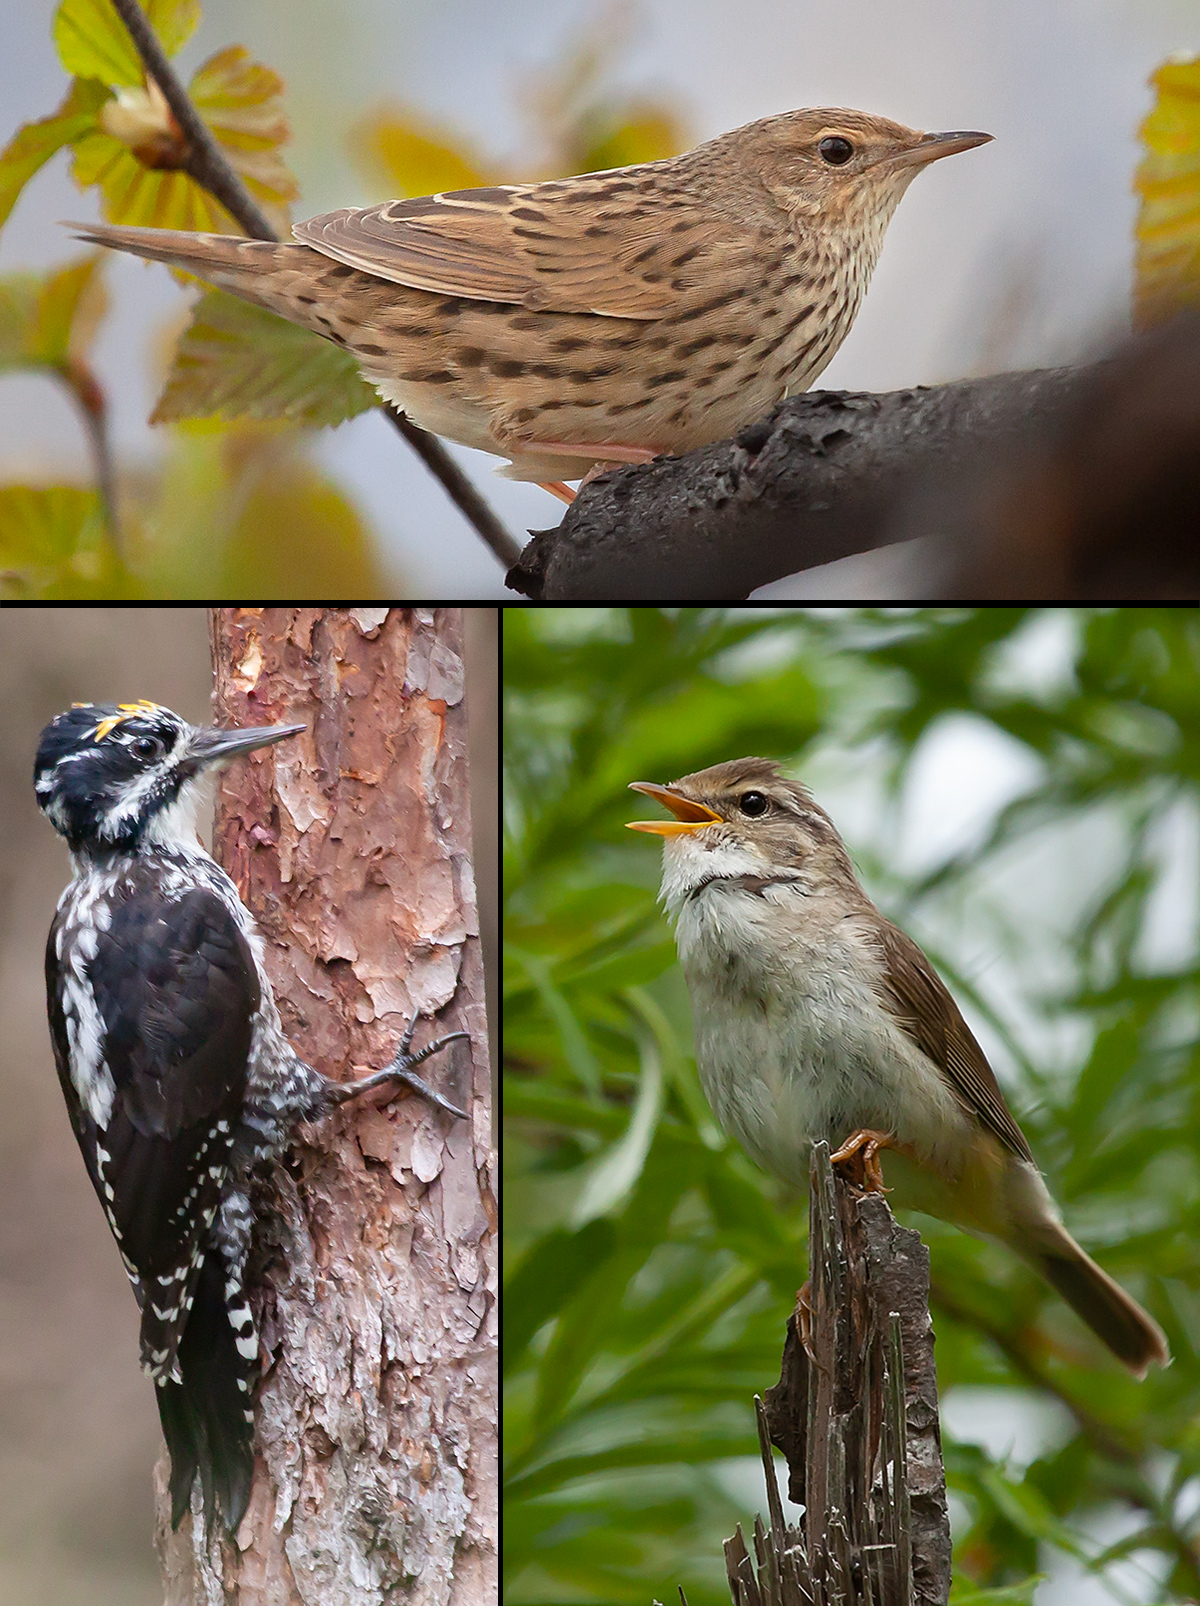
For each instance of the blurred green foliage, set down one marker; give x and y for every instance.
(650, 1267)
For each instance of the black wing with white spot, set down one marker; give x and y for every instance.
(151, 1016)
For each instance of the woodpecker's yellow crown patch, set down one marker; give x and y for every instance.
(143, 707)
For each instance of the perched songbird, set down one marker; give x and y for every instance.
(170, 1053)
(602, 319)
(818, 1019)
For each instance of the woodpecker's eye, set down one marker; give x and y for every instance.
(146, 748)
(754, 803)
(835, 150)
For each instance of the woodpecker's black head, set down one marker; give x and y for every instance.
(114, 776)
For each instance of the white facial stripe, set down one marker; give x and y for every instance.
(129, 806)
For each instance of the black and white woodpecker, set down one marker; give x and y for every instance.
(176, 1072)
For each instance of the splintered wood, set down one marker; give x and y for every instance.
(855, 1414)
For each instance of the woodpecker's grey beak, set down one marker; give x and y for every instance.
(211, 744)
(690, 813)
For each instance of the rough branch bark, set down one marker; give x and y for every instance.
(375, 1263)
(816, 480)
(1056, 483)
(858, 1424)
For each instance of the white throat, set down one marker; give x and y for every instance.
(692, 859)
(178, 824)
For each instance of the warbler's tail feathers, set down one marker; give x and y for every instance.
(1123, 1325)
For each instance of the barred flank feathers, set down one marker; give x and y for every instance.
(206, 1417)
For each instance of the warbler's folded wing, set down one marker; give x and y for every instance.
(926, 1011)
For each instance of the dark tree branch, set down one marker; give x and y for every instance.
(208, 166)
(1056, 483)
(818, 479)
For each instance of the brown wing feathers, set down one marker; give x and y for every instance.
(587, 247)
(926, 1011)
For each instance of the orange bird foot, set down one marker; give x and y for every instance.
(608, 455)
(558, 489)
(860, 1152)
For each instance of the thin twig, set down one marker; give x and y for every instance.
(207, 163)
(208, 166)
(458, 487)
(93, 410)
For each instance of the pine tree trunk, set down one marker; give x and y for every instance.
(374, 1266)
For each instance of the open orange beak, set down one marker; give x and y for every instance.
(691, 816)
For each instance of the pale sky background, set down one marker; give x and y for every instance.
(1014, 255)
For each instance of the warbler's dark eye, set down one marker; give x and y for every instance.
(754, 803)
(146, 748)
(835, 150)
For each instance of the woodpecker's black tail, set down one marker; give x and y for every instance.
(206, 1417)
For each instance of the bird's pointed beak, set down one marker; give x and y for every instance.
(211, 744)
(931, 147)
(691, 815)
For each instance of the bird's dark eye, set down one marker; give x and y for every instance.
(835, 150)
(146, 748)
(754, 804)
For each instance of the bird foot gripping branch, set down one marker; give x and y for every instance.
(858, 1157)
(177, 1075)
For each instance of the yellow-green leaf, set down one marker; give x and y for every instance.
(1168, 183)
(239, 361)
(53, 543)
(18, 312)
(131, 193)
(93, 42)
(298, 535)
(416, 159)
(46, 320)
(244, 513)
(133, 151)
(242, 103)
(644, 135)
(35, 143)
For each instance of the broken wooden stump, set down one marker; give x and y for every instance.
(855, 1414)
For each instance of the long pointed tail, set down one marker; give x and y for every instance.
(207, 1415)
(252, 269)
(1121, 1324)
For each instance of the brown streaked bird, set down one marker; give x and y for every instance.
(602, 319)
(818, 1019)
